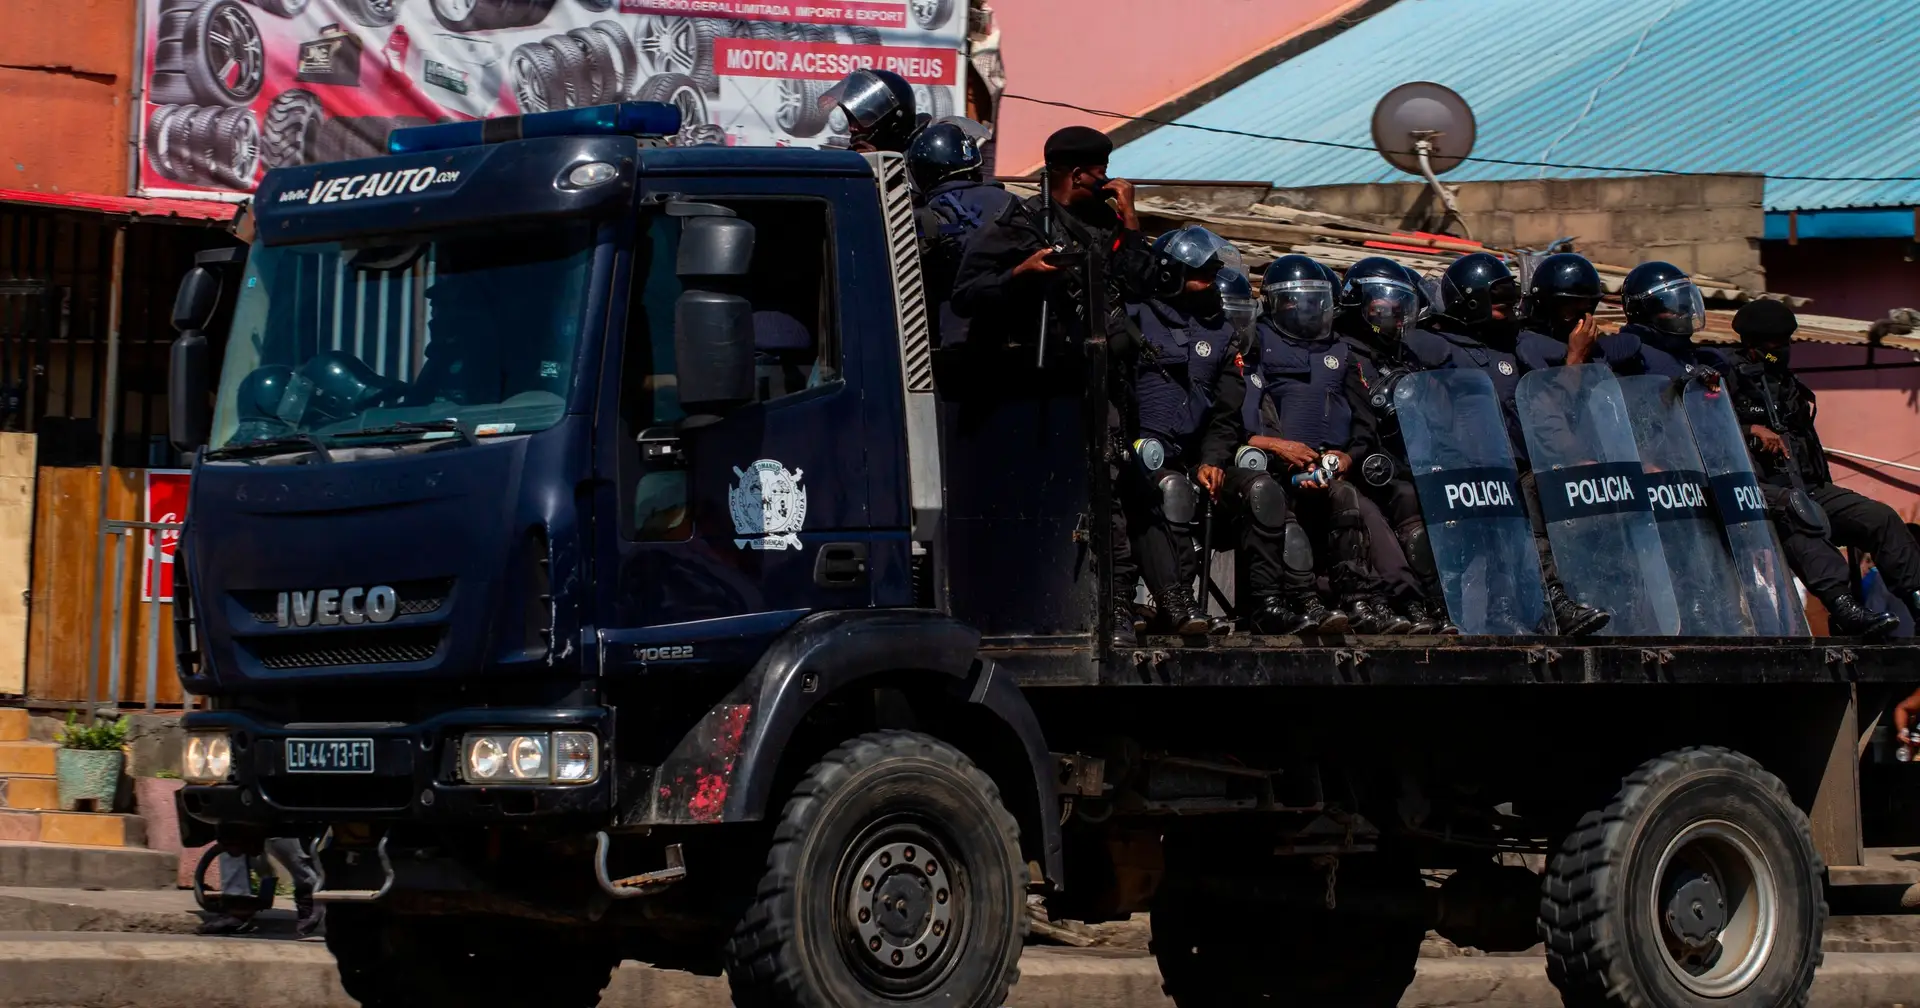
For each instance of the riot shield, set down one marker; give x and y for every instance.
(1587, 469)
(1469, 491)
(1676, 487)
(1759, 565)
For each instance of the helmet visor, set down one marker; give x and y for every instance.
(1676, 307)
(863, 97)
(1302, 309)
(1388, 307)
(1192, 247)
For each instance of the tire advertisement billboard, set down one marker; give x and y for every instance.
(235, 87)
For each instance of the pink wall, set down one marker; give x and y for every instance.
(1125, 56)
(1873, 413)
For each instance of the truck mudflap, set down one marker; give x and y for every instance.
(723, 769)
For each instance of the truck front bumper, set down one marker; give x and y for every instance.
(415, 776)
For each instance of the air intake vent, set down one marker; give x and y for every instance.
(330, 648)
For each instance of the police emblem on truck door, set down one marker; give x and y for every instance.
(769, 506)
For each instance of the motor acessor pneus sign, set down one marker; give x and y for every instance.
(231, 88)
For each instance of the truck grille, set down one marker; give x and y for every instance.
(385, 646)
(417, 598)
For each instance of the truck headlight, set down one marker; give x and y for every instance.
(530, 758)
(207, 757)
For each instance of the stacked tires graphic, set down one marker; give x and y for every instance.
(666, 60)
(208, 64)
(204, 145)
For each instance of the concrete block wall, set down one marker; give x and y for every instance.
(1709, 224)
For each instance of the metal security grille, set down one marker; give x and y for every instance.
(329, 648)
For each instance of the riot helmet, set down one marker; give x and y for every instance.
(1564, 287)
(1235, 293)
(269, 402)
(1474, 287)
(1661, 296)
(1383, 297)
(342, 387)
(943, 152)
(878, 105)
(1298, 298)
(1180, 255)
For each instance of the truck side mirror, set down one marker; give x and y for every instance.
(713, 342)
(187, 391)
(715, 247)
(198, 296)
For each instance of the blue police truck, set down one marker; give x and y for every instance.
(589, 547)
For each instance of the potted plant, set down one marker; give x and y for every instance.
(87, 767)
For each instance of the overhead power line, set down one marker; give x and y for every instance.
(1609, 169)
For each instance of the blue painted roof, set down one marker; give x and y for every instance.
(1781, 87)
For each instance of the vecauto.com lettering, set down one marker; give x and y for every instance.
(829, 61)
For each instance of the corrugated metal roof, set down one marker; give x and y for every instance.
(1781, 87)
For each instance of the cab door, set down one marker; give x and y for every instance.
(727, 530)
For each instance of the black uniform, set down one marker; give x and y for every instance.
(948, 214)
(1009, 308)
(1402, 558)
(1857, 521)
(1312, 392)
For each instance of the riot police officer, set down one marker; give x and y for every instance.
(951, 202)
(1559, 328)
(1664, 310)
(1014, 275)
(1401, 555)
(1813, 515)
(1186, 394)
(1311, 408)
(1476, 327)
(880, 110)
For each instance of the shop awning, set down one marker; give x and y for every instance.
(184, 210)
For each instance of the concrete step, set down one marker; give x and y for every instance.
(30, 758)
(71, 866)
(15, 724)
(125, 911)
(25, 791)
(87, 829)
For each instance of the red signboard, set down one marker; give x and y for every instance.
(811, 61)
(166, 502)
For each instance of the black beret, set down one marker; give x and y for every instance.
(1078, 147)
(1765, 319)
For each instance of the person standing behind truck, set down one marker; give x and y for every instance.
(1812, 515)
(1476, 327)
(1005, 287)
(952, 201)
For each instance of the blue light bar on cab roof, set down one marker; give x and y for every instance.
(624, 119)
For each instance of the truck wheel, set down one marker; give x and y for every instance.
(895, 876)
(1699, 882)
(390, 961)
(682, 93)
(372, 13)
(1216, 953)
(207, 55)
(293, 120)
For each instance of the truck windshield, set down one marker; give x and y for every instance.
(449, 335)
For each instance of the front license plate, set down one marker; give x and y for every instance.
(330, 755)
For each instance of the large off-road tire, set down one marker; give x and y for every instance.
(895, 877)
(1698, 885)
(682, 93)
(206, 53)
(372, 13)
(390, 961)
(1216, 951)
(485, 15)
(293, 123)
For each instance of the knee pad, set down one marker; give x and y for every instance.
(1267, 503)
(1179, 500)
(1413, 540)
(1296, 550)
(1345, 501)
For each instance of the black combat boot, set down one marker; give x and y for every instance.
(1123, 632)
(1416, 613)
(1846, 617)
(1177, 613)
(1320, 619)
(1573, 618)
(1271, 616)
(1374, 616)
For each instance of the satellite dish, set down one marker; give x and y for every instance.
(1423, 118)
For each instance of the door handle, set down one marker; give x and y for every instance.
(841, 565)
